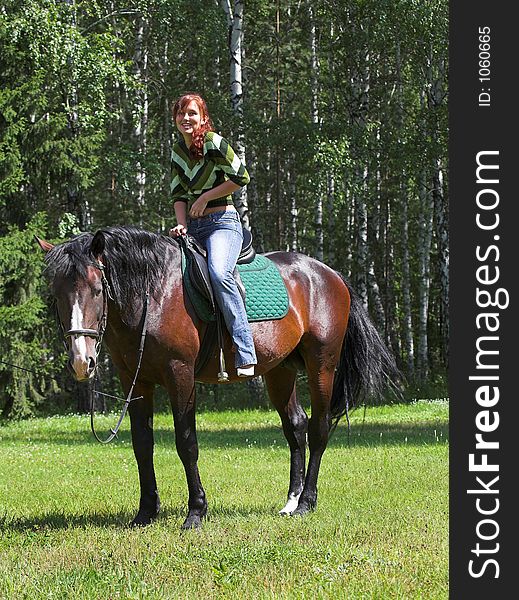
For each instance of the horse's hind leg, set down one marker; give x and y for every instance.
(281, 386)
(320, 380)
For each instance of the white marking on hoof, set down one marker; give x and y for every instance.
(291, 505)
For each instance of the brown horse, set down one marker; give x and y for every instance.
(101, 280)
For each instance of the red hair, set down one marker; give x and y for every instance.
(206, 124)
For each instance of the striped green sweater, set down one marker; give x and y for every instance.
(190, 178)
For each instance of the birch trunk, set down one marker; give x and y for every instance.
(442, 234)
(293, 208)
(361, 218)
(407, 321)
(375, 242)
(331, 219)
(361, 87)
(376, 299)
(390, 279)
(234, 14)
(165, 145)
(407, 325)
(319, 231)
(140, 59)
(424, 281)
(437, 79)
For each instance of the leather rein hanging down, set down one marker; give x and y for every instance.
(98, 334)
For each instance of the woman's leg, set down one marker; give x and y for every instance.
(223, 248)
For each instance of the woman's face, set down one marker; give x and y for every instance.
(189, 119)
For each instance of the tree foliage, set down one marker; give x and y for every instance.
(343, 122)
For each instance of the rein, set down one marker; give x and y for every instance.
(113, 432)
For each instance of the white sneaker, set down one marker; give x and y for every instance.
(245, 371)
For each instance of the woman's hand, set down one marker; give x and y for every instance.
(178, 230)
(198, 207)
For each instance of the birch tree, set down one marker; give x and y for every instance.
(234, 11)
(141, 108)
(319, 232)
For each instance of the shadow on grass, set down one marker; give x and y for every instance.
(56, 520)
(368, 434)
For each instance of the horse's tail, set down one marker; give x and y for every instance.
(366, 367)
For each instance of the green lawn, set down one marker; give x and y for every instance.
(380, 529)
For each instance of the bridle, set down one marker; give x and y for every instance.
(100, 331)
(98, 335)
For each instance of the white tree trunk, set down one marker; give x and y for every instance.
(437, 86)
(361, 218)
(293, 210)
(234, 14)
(442, 234)
(361, 87)
(424, 281)
(331, 219)
(408, 340)
(141, 108)
(407, 325)
(319, 231)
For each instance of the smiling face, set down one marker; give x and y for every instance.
(188, 119)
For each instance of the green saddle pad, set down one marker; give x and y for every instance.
(266, 295)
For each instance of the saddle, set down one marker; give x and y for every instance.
(198, 272)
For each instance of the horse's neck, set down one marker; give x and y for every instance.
(163, 294)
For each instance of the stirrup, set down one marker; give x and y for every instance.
(223, 376)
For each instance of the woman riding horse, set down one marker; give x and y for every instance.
(99, 282)
(206, 171)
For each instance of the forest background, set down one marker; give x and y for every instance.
(338, 109)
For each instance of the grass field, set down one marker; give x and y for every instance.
(380, 529)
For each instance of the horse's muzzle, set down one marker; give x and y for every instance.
(82, 369)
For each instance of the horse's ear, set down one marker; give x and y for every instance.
(97, 247)
(45, 246)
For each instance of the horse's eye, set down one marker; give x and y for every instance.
(97, 292)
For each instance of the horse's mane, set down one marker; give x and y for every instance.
(69, 259)
(135, 261)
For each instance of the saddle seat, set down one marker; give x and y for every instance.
(196, 256)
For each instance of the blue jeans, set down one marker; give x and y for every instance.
(222, 236)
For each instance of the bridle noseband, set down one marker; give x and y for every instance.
(87, 332)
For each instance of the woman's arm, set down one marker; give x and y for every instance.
(220, 191)
(181, 215)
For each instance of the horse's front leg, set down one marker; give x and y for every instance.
(141, 418)
(182, 395)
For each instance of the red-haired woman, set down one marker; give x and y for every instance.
(205, 172)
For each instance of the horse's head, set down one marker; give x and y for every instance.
(80, 291)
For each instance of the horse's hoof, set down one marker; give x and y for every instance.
(290, 506)
(193, 522)
(303, 509)
(142, 520)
